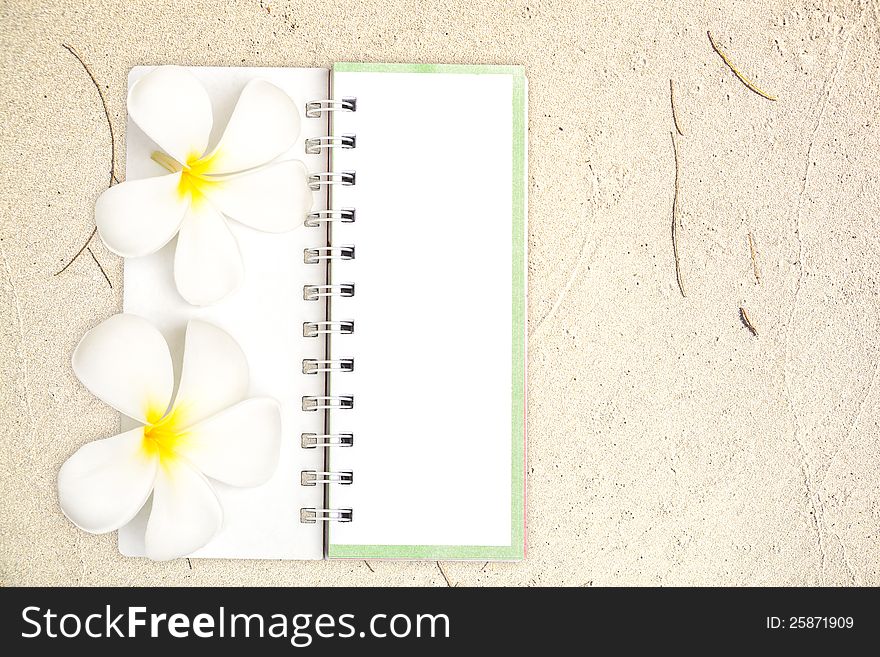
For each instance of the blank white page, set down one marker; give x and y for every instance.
(265, 317)
(439, 265)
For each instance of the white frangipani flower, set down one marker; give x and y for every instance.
(210, 431)
(235, 179)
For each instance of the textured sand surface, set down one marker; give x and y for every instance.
(668, 445)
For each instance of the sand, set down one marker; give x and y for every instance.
(667, 443)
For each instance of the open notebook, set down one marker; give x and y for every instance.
(390, 326)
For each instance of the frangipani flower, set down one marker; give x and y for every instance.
(211, 430)
(138, 217)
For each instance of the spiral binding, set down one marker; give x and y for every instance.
(315, 477)
(315, 145)
(314, 440)
(314, 329)
(312, 515)
(326, 402)
(314, 219)
(325, 178)
(315, 292)
(314, 256)
(315, 108)
(314, 366)
(324, 256)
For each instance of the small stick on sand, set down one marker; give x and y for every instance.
(744, 317)
(742, 78)
(675, 219)
(443, 572)
(106, 277)
(367, 563)
(672, 103)
(113, 178)
(78, 253)
(754, 258)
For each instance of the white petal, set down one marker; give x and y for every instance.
(173, 108)
(275, 198)
(207, 262)
(106, 482)
(238, 446)
(214, 375)
(125, 362)
(185, 514)
(138, 217)
(263, 125)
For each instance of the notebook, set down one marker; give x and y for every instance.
(390, 326)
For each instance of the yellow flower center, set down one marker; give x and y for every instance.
(195, 178)
(164, 436)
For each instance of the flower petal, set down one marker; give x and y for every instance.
(275, 198)
(214, 375)
(207, 262)
(138, 217)
(125, 362)
(106, 482)
(172, 107)
(185, 514)
(263, 125)
(239, 446)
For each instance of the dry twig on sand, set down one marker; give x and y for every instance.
(742, 78)
(106, 277)
(445, 576)
(675, 219)
(744, 317)
(672, 103)
(113, 177)
(754, 258)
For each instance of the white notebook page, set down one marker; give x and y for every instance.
(265, 316)
(432, 458)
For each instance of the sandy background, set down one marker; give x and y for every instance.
(668, 445)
